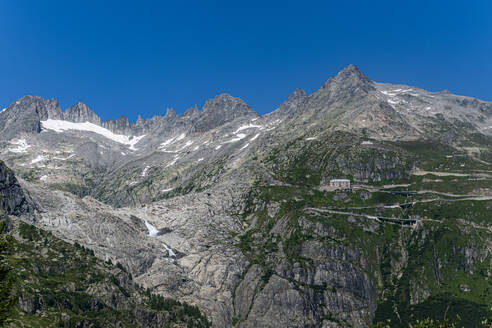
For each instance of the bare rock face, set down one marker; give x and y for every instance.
(349, 85)
(118, 126)
(220, 110)
(25, 114)
(294, 105)
(170, 114)
(12, 198)
(80, 113)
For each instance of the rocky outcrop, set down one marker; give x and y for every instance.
(293, 106)
(12, 198)
(220, 110)
(118, 126)
(25, 114)
(349, 85)
(170, 114)
(80, 113)
(67, 283)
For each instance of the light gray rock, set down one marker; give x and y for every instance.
(80, 113)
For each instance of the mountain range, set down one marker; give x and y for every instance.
(231, 211)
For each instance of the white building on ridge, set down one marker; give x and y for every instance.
(340, 183)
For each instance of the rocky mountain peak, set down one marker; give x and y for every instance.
(227, 103)
(348, 86)
(293, 105)
(351, 69)
(350, 77)
(170, 113)
(118, 126)
(297, 94)
(191, 112)
(53, 109)
(25, 114)
(222, 109)
(45, 108)
(81, 113)
(140, 120)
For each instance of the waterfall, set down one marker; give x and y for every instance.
(153, 232)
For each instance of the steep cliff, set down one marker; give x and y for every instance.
(12, 198)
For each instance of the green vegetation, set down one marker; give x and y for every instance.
(431, 323)
(178, 311)
(7, 301)
(467, 210)
(440, 266)
(449, 184)
(341, 154)
(74, 188)
(57, 284)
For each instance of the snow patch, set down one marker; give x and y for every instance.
(246, 145)
(249, 126)
(166, 190)
(238, 137)
(200, 159)
(43, 178)
(366, 143)
(134, 140)
(188, 143)
(21, 146)
(218, 147)
(312, 138)
(3, 110)
(144, 172)
(61, 126)
(254, 138)
(166, 143)
(173, 161)
(181, 137)
(38, 159)
(394, 92)
(64, 159)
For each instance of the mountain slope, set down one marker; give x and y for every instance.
(46, 282)
(59, 284)
(232, 212)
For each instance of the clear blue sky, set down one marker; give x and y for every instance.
(139, 57)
